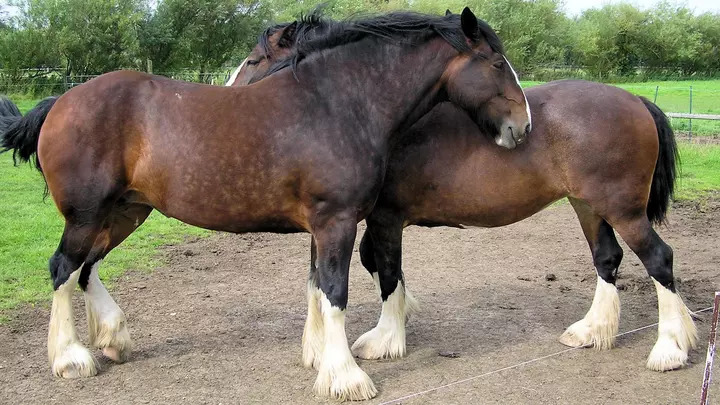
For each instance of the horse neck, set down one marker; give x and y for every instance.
(386, 87)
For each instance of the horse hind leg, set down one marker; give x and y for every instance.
(381, 254)
(68, 357)
(676, 330)
(600, 325)
(107, 327)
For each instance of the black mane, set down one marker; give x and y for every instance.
(264, 38)
(308, 26)
(403, 27)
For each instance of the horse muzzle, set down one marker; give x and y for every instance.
(511, 135)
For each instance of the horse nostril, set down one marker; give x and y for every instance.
(527, 129)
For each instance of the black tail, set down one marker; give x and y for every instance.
(666, 168)
(8, 108)
(22, 136)
(6, 122)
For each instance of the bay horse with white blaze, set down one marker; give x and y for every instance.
(303, 150)
(612, 154)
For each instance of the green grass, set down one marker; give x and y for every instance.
(31, 230)
(700, 171)
(674, 96)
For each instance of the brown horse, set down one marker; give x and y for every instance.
(304, 150)
(611, 154)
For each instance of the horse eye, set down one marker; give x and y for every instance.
(498, 65)
(252, 62)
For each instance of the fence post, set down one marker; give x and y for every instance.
(690, 113)
(656, 92)
(707, 377)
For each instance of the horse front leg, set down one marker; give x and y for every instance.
(382, 251)
(339, 377)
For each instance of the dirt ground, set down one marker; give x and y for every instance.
(221, 323)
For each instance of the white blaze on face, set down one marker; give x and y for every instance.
(234, 76)
(527, 105)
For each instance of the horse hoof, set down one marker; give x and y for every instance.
(111, 336)
(666, 356)
(114, 354)
(74, 361)
(344, 384)
(380, 343)
(115, 342)
(574, 339)
(584, 334)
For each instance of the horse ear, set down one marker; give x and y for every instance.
(287, 38)
(448, 12)
(469, 24)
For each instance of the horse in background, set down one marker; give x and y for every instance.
(305, 150)
(612, 155)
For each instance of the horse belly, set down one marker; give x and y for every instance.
(488, 196)
(231, 199)
(239, 213)
(489, 210)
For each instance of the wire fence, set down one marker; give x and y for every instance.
(49, 81)
(523, 363)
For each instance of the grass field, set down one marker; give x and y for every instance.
(699, 172)
(31, 230)
(32, 227)
(674, 96)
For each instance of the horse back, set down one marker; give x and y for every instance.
(173, 145)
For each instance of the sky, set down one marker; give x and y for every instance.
(575, 7)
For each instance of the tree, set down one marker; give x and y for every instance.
(672, 41)
(708, 27)
(201, 34)
(93, 36)
(609, 41)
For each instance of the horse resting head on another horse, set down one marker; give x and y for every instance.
(616, 166)
(303, 150)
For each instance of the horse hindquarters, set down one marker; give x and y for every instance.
(89, 188)
(642, 183)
